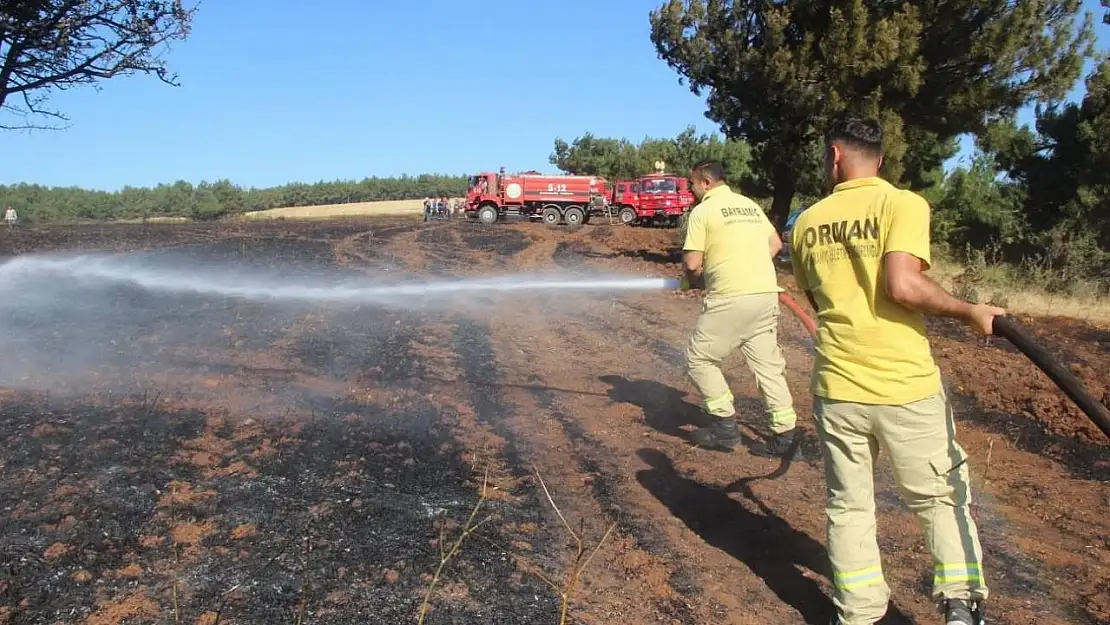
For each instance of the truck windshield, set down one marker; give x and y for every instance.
(665, 185)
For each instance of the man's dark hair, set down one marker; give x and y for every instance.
(859, 132)
(710, 168)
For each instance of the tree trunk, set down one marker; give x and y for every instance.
(786, 184)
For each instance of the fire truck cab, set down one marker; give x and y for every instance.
(659, 199)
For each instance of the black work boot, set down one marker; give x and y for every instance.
(721, 433)
(959, 612)
(778, 446)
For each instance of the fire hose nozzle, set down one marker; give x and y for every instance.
(678, 284)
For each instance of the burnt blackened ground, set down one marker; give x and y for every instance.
(95, 500)
(471, 341)
(78, 490)
(503, 242)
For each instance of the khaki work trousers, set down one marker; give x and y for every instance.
(749, 322)
(930, 469)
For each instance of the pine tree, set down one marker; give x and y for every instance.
(776, 72)
(1064, 168)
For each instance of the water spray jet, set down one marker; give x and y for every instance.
(89, 268)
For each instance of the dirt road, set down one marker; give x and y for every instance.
(308, 463)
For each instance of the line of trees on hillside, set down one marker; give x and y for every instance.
(212, 200)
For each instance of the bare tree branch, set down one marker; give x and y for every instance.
(31, 108)
(59, 44)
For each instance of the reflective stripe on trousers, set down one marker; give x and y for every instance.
(862, 577)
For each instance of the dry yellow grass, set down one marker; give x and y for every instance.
(1023, 297)
(330, 211)
(1094, 310)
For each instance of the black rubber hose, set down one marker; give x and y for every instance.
(1072, 387)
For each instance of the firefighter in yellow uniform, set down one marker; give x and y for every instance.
(860, 254)
(729, 248)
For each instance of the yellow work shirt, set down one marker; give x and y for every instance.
(870, 349)
(734, 235)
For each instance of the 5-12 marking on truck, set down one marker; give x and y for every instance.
(559, 188)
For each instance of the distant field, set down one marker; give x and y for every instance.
(393, 207)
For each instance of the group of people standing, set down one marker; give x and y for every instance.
(441, 207)
(859, 255)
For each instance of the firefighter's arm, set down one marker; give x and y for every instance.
(905, 260)
(693, 269)
(775, 243)
(906, 256)
(910, 287)
(693, 251)
(693, 261)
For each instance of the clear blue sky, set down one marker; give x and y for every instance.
(277, 91)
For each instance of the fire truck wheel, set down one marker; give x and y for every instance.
(627, 215)
(551, 216)
(574, 216)
(487, 215)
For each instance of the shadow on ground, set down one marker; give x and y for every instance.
(667, 411)
(665, 407)
(670, 258)
(765, 542)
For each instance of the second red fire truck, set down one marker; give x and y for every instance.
(658, 199)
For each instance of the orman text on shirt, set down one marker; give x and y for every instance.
(838, 240)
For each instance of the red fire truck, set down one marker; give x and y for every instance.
(554, 199)
(652, 199)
